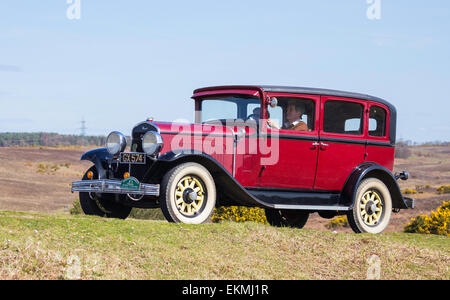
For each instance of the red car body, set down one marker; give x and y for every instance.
(316, 170)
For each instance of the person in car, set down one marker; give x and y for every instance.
(294, 114)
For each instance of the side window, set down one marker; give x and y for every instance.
(377, 121)
(343, 117)
(294, 114)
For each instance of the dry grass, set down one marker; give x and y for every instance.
(48, 246)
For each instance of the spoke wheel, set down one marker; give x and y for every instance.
(372, 207)
(188, 194)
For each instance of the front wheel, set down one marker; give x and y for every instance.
(103, 205)
(188, 194)
(287, 218)
(372, 207)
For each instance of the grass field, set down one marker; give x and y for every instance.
(37, 179)
(60, 246)
(45, 242)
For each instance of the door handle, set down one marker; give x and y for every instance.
(314, 145)
(323, 146)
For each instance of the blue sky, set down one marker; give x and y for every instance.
(123, 61)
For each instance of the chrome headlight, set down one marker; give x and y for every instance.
(152, 143)
(116, 143)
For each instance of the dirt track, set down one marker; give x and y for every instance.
(35, 179)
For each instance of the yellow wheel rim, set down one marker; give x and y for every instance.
(189, 196)
(371, 208)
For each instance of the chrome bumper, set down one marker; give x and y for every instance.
(113, 187)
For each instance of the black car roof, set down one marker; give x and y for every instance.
(301, 90)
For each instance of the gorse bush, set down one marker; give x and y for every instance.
(338, 222)
(409, 191)
(443, 189)
(239, 214)
(436, 223)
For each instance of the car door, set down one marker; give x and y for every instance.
(293, 166)
(342, 141)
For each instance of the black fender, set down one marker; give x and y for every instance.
(372, 169)
(100, 158)
(229, 190)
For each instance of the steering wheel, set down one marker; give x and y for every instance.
(254, 117)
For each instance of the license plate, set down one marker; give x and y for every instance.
(132, 158)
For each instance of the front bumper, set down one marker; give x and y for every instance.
(113, 187)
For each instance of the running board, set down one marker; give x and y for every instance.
(281, 199)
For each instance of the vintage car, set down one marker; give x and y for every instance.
(290, 150)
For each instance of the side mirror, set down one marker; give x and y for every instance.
(273, 102)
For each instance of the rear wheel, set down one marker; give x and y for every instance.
(188, 194)
(372, 209)
(103, 205)
(287, 218)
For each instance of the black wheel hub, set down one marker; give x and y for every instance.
(188, 196)
(370, 207)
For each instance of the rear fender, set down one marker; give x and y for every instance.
(373, 170)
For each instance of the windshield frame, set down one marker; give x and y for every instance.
(241, 100)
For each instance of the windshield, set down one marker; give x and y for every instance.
(230, 108)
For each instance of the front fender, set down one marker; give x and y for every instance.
(371, 169)
(100, 158)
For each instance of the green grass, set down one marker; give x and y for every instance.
(49, 246)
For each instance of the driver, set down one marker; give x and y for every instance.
(294, 114)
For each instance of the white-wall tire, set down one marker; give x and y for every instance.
(188, 194)
(372, 207)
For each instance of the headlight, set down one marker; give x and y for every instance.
(116, 143)
(152, 143)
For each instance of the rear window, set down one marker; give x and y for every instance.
(377, 121)
(343, 117)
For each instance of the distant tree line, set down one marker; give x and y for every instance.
(430, 143)
(10, 139)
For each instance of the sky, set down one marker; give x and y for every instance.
(119, 62)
